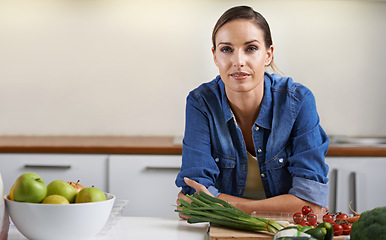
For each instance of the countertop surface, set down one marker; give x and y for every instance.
(150, 228)
(142, 228)
(138, 145)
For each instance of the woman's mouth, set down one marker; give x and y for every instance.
(240, 75)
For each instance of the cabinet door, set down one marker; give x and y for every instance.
(89, 169)
(359, 180)
(147, 182)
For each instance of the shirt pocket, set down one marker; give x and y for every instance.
(281, 178)
(226, 166)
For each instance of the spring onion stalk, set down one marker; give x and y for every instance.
(205, 208)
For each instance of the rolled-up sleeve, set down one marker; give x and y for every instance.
(310, 190)
(307, 164)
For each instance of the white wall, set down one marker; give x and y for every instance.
(125, 67)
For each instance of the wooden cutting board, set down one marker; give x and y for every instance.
(220, 233)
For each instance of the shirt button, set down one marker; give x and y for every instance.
(262, 175)
(216, 159)
(281, 160)
(257, 128)
(259, 150)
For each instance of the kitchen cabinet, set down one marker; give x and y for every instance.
(147, 182)
(356, 179)
(90, 169)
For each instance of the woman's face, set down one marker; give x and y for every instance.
(241, 55)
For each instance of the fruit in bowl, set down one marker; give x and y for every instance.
(60, 221)
(62, 188)
(50, 212)
(29, 187)
(76, 185)
(90, 194)
(55, 199)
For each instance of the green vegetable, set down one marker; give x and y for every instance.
(304, 228)
(292, 233)
(370, 226)
(329, 230)
(323, 231)
(317, 233)
(205, 208)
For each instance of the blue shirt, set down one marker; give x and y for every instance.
(289, 141)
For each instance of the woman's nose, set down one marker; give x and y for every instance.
(238, 59)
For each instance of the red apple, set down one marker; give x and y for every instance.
(76, 185)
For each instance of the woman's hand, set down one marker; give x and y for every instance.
(181, 195)
(196, 186)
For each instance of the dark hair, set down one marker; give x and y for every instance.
(247, 13)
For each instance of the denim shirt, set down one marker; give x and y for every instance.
(289, 141)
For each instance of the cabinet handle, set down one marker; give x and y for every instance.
(163, 168)
(353, 188)
(47, 166)
(334, 189)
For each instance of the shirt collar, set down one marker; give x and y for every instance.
(265, 116)
(228, 115)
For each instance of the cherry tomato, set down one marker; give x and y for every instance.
(312, 219)
(306, 210)
(304, 223)
(346, 228)
(298, 217)
(338, 229)
(328, 218)
(341, 217)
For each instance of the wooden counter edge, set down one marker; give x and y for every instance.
(90, 144)
(161, 145)
(356, 151)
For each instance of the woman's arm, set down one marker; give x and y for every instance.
(197, 160)
(282, 203)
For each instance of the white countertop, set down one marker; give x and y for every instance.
(142, 228)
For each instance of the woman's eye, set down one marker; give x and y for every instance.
(226, 49)
(251, 48)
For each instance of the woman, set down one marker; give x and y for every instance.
(253, 138)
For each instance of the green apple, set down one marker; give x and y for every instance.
(29, 187)
(62, 188)
(55, 199)
(90, 194)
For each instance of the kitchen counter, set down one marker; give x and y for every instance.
(150, 228)
(139, 145)
(143, 228)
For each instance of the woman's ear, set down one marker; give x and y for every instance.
(268, 59)
(214, 55)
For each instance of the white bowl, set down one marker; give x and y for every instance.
(55, 221)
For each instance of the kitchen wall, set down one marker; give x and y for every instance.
(125, 67)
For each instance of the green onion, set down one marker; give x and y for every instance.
(205, 208)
